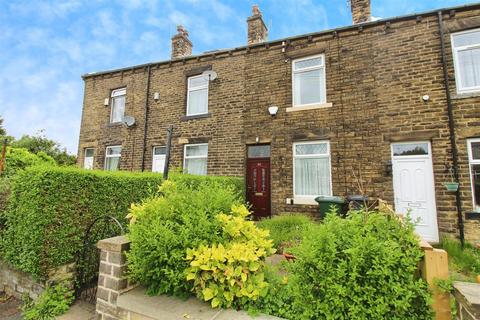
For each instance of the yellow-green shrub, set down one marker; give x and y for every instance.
(231, 274)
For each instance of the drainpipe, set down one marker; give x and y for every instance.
(451, 126)
(145, 118)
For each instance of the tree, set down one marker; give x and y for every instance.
(3, 132)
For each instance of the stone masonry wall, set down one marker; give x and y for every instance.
(376, 76)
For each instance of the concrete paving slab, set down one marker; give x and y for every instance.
(80, 310)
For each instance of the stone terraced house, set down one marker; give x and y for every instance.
(388, 108)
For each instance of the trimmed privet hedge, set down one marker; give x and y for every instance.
(51, 207)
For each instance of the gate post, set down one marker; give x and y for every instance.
(111, 277)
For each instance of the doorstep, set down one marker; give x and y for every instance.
(136, 304)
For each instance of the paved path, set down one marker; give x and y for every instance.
(80, 310)
(10, 309)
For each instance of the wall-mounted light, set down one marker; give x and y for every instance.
(388, 168)
(426, 97)
(273, 110)
(106, 102)
(156, 96)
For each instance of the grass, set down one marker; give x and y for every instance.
(464, 264)
(286, 229)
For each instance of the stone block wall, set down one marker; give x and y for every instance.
(467, 296)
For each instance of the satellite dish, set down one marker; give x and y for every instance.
(129, 121)
(209, 75)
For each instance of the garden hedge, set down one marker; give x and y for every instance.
(50, 209)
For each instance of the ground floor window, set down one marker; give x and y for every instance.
(112, 158)
(311, 169)
(158, 163)
(88, 159)
(474, 161)
(195, 158)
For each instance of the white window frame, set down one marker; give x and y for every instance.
(309, 199)
(471, 162)
(85, 157)
(455, 51)
(189, 89)
(112, 156)
(115, 94)
(194, 157)
(322, 88)
(156, 156)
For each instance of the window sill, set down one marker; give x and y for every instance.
(311, 107)
(114, 124)
(197, 116)
(466, 95)
(305, 201)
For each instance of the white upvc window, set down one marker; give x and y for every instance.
(466, 59)
(158, 162)
(311, 171)
(112, 158)
(474, 163)
(88, 158)
(197, 96)
(195, 159)
(308, 81)
(117, 103)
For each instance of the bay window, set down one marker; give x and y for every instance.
(474, 163)
(195, 159)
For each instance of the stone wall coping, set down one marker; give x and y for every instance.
(115, 244)
(470, 291)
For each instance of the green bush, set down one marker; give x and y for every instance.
(286, 230)
(54, 301)
(51, 207)
(163, 228)
(19, 158)
(231, 273)
(466, 260)
(362, 267)
(237, 185)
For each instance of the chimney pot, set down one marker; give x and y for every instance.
(257, 30)
(181, 44)
(361, 11)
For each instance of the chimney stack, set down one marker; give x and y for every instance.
(257, 30)
(181, 45)
(361, 11)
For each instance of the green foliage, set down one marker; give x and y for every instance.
(4, 193)
(3, 132)
(361, 267)
(19, 158)
(39, 143)
(465, 261)
(231, 274)
(237, 185)
(54, 301)
(51, 207)
(162, 229)
(286, 230)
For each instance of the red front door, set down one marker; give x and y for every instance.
(258, 186)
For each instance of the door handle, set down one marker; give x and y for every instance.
(414, 204)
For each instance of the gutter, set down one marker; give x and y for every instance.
(145, 117)
(451, 126)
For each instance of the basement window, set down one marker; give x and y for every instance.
(88, 159)
(195, 159)
(112, 158)
(308, 81)
(474, 162)
(197, 96)
(117, 105)
(466, 58)
(311, 171)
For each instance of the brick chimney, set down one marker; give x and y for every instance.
(361, 11)
(181, 45)
(257, 30)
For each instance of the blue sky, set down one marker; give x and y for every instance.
(45, 46)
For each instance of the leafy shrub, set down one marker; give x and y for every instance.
(51, 207)
(4, 193)
(237, 185)
(162, 229)
(362, 267)
(285, 230)
(54, 301)
(19, 158)
(231, 274)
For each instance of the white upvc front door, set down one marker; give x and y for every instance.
(414, 187)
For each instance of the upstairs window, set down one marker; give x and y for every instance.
(466, 56)
(112, 158)
(474, 161)
(311, 170)
(197, 96)
(158, 163)
(118, 105)
(88, 159)
(308, 77)
(195, 159)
